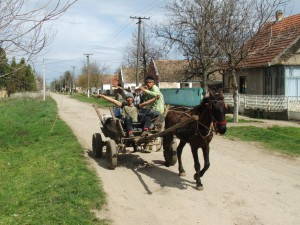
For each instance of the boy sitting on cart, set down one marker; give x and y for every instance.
(130, 112)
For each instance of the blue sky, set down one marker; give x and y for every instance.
(101, 28)
(104, 29)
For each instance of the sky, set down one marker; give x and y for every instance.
(97, 27)
(103, 29)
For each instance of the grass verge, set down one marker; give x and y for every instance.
(100, 101)
(282, 139)
(229, 119)
(44, 178)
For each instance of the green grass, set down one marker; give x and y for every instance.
(44, 178)
(281, 139)
(100, 102)
(230, 120)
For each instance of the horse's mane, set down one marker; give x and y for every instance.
(199, 108)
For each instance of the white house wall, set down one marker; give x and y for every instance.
(292, 81)
(132, 86)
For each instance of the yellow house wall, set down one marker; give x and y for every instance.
(294, 60)
(254, 81)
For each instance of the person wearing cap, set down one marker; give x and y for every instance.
(130, 111)
(149, 91)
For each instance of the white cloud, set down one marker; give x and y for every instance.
(102, 28)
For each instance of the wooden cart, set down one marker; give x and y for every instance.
(118, 142)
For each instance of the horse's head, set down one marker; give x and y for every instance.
(217, 107)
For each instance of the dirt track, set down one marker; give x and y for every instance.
(244, 185)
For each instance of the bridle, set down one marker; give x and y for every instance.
(216, 123)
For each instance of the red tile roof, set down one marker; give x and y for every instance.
(107, 79)
(274, 43)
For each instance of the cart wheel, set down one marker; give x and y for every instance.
(170, 154)
(97, 145)
(111, 154)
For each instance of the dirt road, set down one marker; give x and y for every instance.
(245, 184)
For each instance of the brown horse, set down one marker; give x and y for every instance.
(211, 113)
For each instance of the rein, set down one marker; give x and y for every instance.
(215, 123)
(212, 127)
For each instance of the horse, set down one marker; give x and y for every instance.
(211, 114)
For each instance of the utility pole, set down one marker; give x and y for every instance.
(138, 47)
(88, 71)
(44, 80)
(73, 80)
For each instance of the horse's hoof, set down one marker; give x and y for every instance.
(199, 187)
(182, 174)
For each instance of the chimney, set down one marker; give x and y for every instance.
(278, 15)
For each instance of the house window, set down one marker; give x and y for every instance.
(243, 85)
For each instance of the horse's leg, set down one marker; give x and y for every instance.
(179, 152)
(205, 151)
(197, 176)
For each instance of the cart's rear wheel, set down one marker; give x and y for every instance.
(97, 145)
(111, 154)
(170, 154)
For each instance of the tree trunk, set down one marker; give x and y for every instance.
(205, 86)
(235, 98)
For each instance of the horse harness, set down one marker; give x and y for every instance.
(211, 128)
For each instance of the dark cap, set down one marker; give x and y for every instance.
(149, 78)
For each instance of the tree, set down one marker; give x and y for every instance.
(96, 73)
(4, 68)
(236, 32)
(187, 29)
(214, 33)
(23, 33)
(18, 77)
(22, 25)
(150, 49)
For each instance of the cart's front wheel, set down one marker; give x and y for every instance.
(111, 154)
(170, 154)
(97, 145)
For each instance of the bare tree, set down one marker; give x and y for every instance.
(187, 29)
(235, 28)
(214, 33)
(96, 72)
(22, 25)
(150, 49)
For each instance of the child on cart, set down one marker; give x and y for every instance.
(130, 112)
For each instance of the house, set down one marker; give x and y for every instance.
(106, 84)
(273, 65)
(171, 74)
(166, 73)
(127, 77)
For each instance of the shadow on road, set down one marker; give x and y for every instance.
(154, 169)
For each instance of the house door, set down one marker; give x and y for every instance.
(243, 85)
